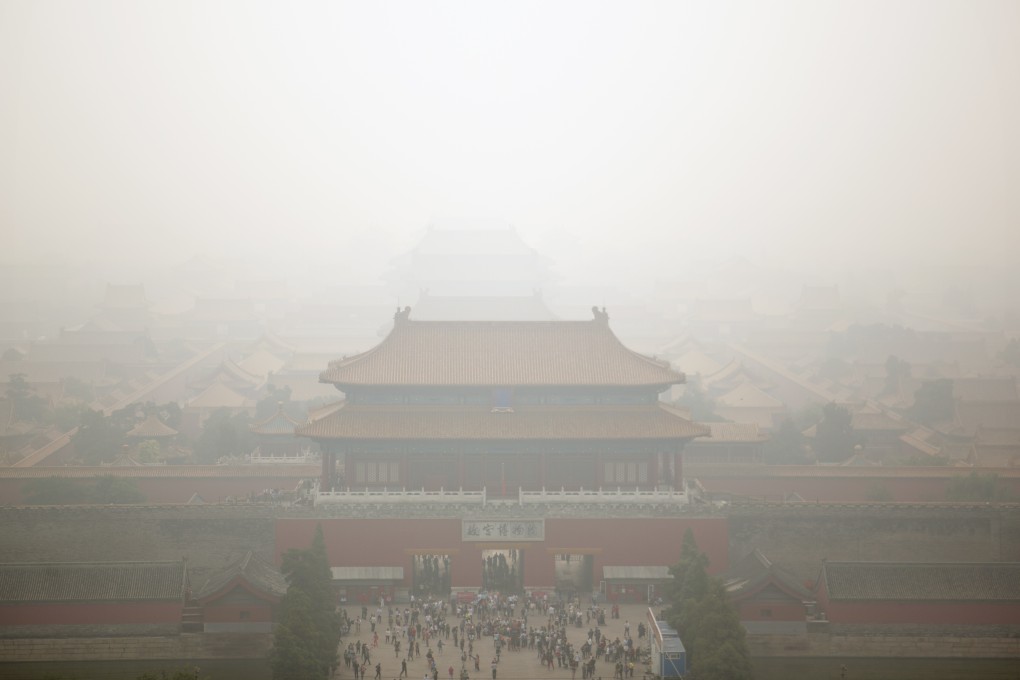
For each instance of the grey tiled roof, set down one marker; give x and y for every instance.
(278, 423)
(251, 568)
(922, 581)
(91, 581)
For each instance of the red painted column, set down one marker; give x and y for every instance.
(678, 470)
(326, 479)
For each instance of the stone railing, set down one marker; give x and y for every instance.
(401, 496)
(619, 495)
(600, 495)
(307, 457)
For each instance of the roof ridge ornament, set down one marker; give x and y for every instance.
(600, 315)
(402, 314)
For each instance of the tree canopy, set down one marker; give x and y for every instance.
(708, 624)
(98, 437)
(225, 434)
(977, 487)
(786, 446)
(28, 406)
(107, 490)
(305, 638)
(834, 436)
(933, 402)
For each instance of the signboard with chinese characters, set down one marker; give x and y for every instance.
(502, 529)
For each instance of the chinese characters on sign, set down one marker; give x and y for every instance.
(502, 530)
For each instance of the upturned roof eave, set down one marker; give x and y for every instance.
(326, 438)
(344, 385)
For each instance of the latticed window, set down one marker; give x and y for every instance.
(625, 472)
(377, 472)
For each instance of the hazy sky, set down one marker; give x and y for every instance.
(649, 132)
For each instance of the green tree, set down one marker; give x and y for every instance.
(169, 413)
(224, 434)
(786, 446)
(68, 415)
(708, 624)
(977, 487)
(149, 451)
(294, 655)
(115, 491)
(54, 491)
(266, 407)
(933, 402)
(28, 406)
(78, 389)
(834, 436)
(1011, 353)
(896, 371)
(697, 401)
(878, 492)
(718, 647)
(305, 639)
(98, 438)
(690, 581)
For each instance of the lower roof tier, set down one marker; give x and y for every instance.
(351, 421)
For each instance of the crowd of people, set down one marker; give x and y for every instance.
(451, 637)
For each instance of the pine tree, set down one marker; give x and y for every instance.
(708, 624)
(690, 581)
(306, 636)
(718, 648)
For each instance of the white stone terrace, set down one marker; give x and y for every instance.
(306, 457)
(618, 495)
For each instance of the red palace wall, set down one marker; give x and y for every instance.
(90, 613)
(895, 484)
(934, 613)
(160, 490)
(234, 613)
(754, 610)
(612, 542)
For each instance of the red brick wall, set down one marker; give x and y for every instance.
(753, 610)
(774, 483)
(613, 542)
(160, 490)
(90, 613)
(933, 613)
(231, 612)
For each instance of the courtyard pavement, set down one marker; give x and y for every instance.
(520, 665)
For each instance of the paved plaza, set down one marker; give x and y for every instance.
(513, 665)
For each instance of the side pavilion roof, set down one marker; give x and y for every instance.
(500, 353)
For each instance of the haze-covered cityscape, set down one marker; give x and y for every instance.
(509, 340)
